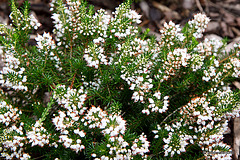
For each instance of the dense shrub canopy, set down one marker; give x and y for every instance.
(98, 88)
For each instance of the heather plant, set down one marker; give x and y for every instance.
(99, 88)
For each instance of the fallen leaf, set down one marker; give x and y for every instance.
(236, 31)
(173, 15)
(237, 84)
(229, 18)
(238, 21)
(213, 27)
(187, 4)
(145, 8)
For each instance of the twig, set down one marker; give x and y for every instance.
(169, 115)
(199, 6)
(207, 6)
(227, 57)
(73, 80)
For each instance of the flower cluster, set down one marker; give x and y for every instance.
(13, 145)
(209, 47)
(120, 30)
(46, 46)
(72, 101)
(23, 21)
(12, 74)
(235, 66)
(179, 147)
(175, 60)
(199, 24)
(113, 127)
(170, 34)
(197, 62)
(97, 57)
(237, 46)
(208, 122)
(8, 114)
(45, 41)
(142, 148)
(38, 135)
(12, 136)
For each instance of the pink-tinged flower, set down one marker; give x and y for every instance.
(199, 23)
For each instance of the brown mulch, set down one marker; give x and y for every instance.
(224, 14)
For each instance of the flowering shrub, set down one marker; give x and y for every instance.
(98, 89)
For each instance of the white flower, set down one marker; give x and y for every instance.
(157, 95)
(199, 23)
(151, 100)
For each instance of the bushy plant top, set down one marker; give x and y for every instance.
(99, 89)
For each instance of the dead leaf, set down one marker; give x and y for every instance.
(167, 11)
(229, 18)
(171, 16)
(145, 8)
(187, 4)
(212, 27)
(230, 32)
(213, 14)
(237, 84)
(161, 7)
(155, 14)
(236, 31)
(238, 21)
(224, 28)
